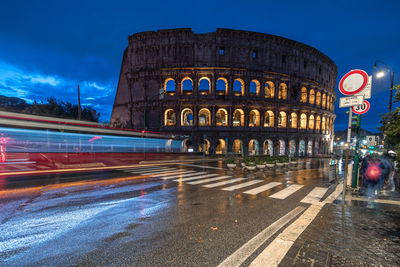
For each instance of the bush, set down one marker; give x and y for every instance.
(259, 161)
(230, 160)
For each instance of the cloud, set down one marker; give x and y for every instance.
(17, 82)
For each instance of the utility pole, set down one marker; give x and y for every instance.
(79, 104)
(346, 163)
(357, 124)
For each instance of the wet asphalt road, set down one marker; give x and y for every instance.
(118, 218)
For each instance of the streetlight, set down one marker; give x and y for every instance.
(381, 73)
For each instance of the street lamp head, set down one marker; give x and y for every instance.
(380, 74)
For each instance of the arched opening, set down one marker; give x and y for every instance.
(187, 117)
(318, 123)
(303, 98)
(204, 86)
(323, 101)
(222, 86)
(318, 100)
(311, 122)
(169, 117)
(221, 118)
(316, 147)
(169, 86)
(269, 90)
(282, 119)
(309, 148)
(187, 86)
(187, 145)
(269, 119)
(253, 147)
(281, 147)
(238, 117)
(238, 87)
(221, 147)
(302, 148)
(323, 125)
(237, 146)
(168, 145)
(254, 118)
(254, 87)
(204, 146)
(312, 97)
(293, 120)
(328, 102)
(303, 121)
(292, 148)
(204, 117)
(268, 148)
(282, 92)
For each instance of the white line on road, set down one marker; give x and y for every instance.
(202, 166)
(240, 255)
(315, 195)
(262, 188)
(157, 172)
(144, 170)
(181, 176)
(210, 180)
(246, 184)
(278, 248)
(287, 191)
(181, 172)
(224, 182)
(196, 177)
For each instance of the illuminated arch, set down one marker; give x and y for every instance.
(169, 85)
(187, 117)
(254, 87)
(204, 146)
(238, 87)
(303, 98)
(222, 86)
(323, 124)
(269, 90)
(323, 100)
(282, 92)
(254, 118)
(311, 122)
(237, 146)
(268, 148)
(269, 119)
(312, 97)
(187, 86)
(204, 117)
(303, 121)
(328, 102)
(292, 148)
(282, 119)
(293, 122)
(309, 148)
(169, 117)
(220, 147)
(280, 145)
(204, 86)
(253, 147)
(318, 123)
(318, 99)
(221, 117)
(238, 117)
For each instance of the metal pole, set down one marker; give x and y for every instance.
(347, 156)
(79, 104)
(356, 157)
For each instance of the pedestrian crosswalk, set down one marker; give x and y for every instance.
(208, 179)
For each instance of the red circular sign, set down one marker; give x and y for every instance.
(353, 82)
(361, 109)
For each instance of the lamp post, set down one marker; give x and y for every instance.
(381, 74)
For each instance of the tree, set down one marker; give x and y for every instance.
(391, 125)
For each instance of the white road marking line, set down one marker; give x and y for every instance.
(246, 184)
(196, 177)
(262, 188)
(287, 191)
(202, 166)
(147, 169)
(315, 195)
(181, 172)
(210, 180)
(224, 182)
(278, 248)
(181, 175)
(245, 251)
(157, 172)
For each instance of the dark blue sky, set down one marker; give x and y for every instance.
(47, 47)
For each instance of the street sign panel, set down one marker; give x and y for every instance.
(351, 101)
(353, 82)
(366, 92)
(361, 109)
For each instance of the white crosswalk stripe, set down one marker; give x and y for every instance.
(196, 177)
(145, 169)
(262, 188)
(180, 172)
(156, 172)
(242, 185)
(181, 175)
(224, 182)
(315, 195)
(209, 180)
(287, 191)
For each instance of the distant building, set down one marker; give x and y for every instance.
(228, 91)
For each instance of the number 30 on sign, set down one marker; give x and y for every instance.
(361, 109)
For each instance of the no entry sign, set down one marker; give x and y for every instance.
(361, 109)
(353, 82)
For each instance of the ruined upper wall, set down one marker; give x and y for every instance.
(178, 48)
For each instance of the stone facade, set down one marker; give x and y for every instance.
(228, 91)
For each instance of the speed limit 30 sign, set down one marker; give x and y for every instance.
(361, 109)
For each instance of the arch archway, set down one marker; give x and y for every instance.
(282, 92)
(187, 117)
(204, 146)
(169, 86)
(221, 117)
(303, 97)
(254, 87)
(312, 97)
(253, 147)
(254, 118)
(318, 99)
(269, 119)
(237, 146)
(220, 147)
(282, 119)
(302, 148)
(293, 122)
(323, 100)
(268, 148)
(303, 121)
(238, 117)
(292, 148)
(269, 90)
(187, 86)
(280, 145)
(238, 87)
(204, 86)
(309, 148)
(169, 117)
(311, 122)
(222, 86)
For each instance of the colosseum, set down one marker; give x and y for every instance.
(228, 91)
